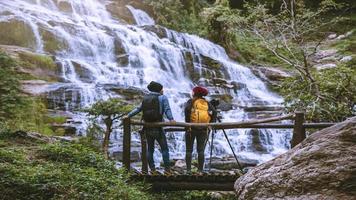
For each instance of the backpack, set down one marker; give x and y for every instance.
(151, 108)
(200, 111)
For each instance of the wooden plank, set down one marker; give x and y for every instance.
(224, 125)
(126, 144)
(298, 130)
(266, 126)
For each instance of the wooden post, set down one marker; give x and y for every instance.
(298, 129)
(144, 152)
(126, 144)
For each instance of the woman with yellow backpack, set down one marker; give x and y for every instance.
(197, 110)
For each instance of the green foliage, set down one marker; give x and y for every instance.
(221, 20)
(108, 111)
(337, 94)
(180, 15)
(62, 171)
(17, 110)
(111, 107)
(10, 95)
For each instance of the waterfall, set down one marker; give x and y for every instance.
(101, 53)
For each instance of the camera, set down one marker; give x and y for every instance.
(215, 103)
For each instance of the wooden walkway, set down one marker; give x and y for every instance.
(208, 181)
(205, 181)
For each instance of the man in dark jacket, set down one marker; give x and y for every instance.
(154, 106)
(196, 111)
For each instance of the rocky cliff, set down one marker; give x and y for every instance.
(322, 167)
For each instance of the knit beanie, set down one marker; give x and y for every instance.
(200, 91)
(154, 87)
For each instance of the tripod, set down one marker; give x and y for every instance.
(228, 141)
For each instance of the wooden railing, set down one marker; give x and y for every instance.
(299, 133)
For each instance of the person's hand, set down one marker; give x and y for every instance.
(125, 117)
(172, 121)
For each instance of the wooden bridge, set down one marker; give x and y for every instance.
(206, 181)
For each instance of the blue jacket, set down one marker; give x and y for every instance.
(165, 109)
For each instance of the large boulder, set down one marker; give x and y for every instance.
(323, 166)
(16, 32)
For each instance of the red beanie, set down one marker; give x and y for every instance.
(200, 91)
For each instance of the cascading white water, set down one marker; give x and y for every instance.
(91, 38)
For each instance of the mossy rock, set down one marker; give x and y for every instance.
(52, 43)
(211, 63)
(38, 60)
(15, 32)
(39, 66)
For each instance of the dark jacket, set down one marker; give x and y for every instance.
(188, 110)
(165, 109)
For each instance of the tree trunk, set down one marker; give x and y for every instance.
(108, 124)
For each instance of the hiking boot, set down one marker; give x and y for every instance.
(167, 171)
(154, 172)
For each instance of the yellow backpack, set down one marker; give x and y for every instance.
(200, 112)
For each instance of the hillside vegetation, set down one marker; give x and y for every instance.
(291, 35)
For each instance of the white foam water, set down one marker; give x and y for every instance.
(90, 38)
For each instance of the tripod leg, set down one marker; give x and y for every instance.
(233, 152)
(211, 148)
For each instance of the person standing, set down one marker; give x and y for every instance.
(197, 110)
(154, 106)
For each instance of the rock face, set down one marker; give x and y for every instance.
(269, 74)
(323, 166)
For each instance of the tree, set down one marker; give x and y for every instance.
(108, 112)
(290, 35)
(293, 36)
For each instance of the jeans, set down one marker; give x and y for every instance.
(201, 135)
(152, 135)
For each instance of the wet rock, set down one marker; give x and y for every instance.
(346, 59)
(321, 167)
(230, 163)
(52, 43)
(64, 129)
(64, 6)
(128, 93)
(37, 66)
(325, 53)
(135, 155)
(82, 72)
(332, 36)
(16, 32)
(224, 106)
(238, 85)
(158, 30)
(269, 73)
(211, 63)
(263, 114)
(262, 108)
(325, 66)
(260, 141)
(35, 87)
(122, 58)
(219, 81)
(119, 11)
(64, 97)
